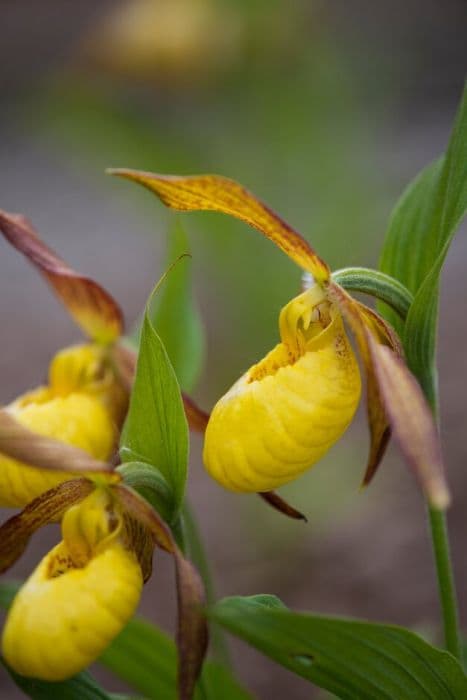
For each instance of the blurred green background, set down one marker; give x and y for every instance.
(325, 110)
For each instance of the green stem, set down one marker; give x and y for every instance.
(446, 584)
(377, 284)
(441, 547)
(196, 551)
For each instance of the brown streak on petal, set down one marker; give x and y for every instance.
(47, 508)
(278, 503)
(141, 542)
(217, 193)
(91, 307)
(357, 315)
(141, 510)
(387, 334)
(18, 442)
(412, 422)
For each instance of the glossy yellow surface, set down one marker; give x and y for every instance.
(88, 369)
(79, 597)
(77, 420)
(286, 411)
(81, 406)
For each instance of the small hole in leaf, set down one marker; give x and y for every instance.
(304, 659)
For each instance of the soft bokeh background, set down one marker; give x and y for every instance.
(324, 109)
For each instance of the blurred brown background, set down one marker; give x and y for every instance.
(326, 110)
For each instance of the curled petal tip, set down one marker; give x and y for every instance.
(281, 505)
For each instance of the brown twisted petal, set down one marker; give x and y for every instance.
(217, 193)
(91, 307)
(47, 508)
(412, 422)
(192, 633)
(380, 430)
(20, 443)
(395, 400)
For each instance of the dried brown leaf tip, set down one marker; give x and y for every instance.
(90, 305)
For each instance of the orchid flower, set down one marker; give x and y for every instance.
(287, 410)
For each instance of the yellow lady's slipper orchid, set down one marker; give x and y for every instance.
(85, 400)
(79, 597)
(286, 411)
(80, 406)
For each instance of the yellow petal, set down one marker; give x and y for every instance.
(89, 369)
(77, 419)
(79, 597)
(287, 411)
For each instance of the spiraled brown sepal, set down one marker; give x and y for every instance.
(49, 507)
(192, 635)
(412, 422)
(91, 307)
(357, 317)
(395, 400)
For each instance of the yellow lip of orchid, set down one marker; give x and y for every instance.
(79, 597)
(286, 411)
(261, 433)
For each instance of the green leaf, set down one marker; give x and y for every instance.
(420, 232)
(176, 318)
(156, 430)
(354, 660)
(80, 687)
(146, 658)
(149, 482)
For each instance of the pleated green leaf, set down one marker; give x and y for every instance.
(354, 660)
(420, 232)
